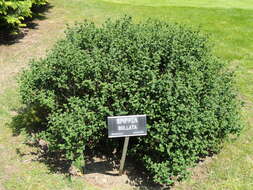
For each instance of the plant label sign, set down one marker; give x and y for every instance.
(125, 126)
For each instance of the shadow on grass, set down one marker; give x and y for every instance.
(99, 162)
(28, 121)
(8, 37)
(55, 162)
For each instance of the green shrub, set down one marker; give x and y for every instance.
(166, 71)
(13, 12)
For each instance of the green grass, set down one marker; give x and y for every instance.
(242, 4)
(230, 25)
(21, 172)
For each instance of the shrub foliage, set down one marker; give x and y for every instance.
(13, 12)
(164, 70)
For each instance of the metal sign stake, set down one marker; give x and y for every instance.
(126, 126)
(123, 158)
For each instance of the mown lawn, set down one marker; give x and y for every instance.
(230, 26)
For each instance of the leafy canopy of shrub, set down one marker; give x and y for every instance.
(13, 12)
(166, 71)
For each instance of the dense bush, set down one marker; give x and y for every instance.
(166, 71)
(13, 12)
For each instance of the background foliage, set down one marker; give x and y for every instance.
(13, 12)
(166, 71)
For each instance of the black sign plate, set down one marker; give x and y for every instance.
(124, 126)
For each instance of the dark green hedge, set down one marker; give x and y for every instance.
(13, 12)
(166, 71)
